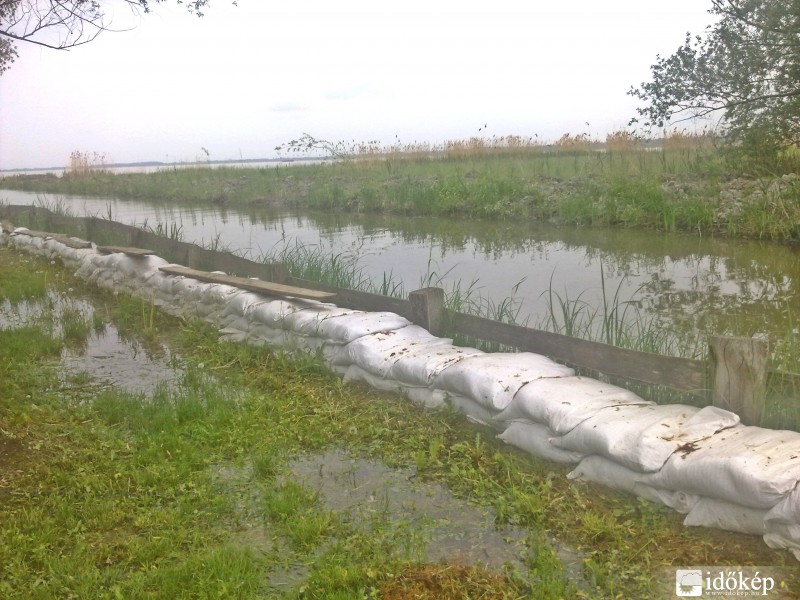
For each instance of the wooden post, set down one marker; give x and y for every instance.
(427, 308)
(739, 376)
(280, 274)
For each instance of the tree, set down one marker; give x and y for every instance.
(746, 69)
(63, 24)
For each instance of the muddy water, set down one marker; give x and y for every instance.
(697, 285)
(445, 527)
(104, 358)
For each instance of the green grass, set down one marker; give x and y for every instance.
(615, 187)
(185, 493)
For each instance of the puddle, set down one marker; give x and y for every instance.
(451, 528)
(103, 356)
(116, 362)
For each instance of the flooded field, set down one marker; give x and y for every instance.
(97, 356)
(693, 284)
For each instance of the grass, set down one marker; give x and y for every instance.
(677, 183)
(573, 181)
(186, 492)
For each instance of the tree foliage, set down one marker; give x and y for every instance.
(63, 24)
(745, 69)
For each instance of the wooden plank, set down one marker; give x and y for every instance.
(739, 376)
(253, 285)
(125, 250)
(72, 242)
(357, 299)
(678, 373)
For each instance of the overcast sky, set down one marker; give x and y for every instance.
(246, 78)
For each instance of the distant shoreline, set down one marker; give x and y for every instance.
(156, 164)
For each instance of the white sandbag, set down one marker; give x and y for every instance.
(419, 365)
(234, 322)
(219, 293)
(475, 412)
(563, 403)
(188, 288)
(599, 469)
(642, 437)
(228, 334)
(346, 328)
(239, 304)
(493, 379)
(419, 395)
(273, 313)
(335, 354)
(719, 514)
(425, 396)
(782, 523)
(260, 334)
(745, 465)
(377, 352)
(307, 318)
(534, 438)
(140, 267)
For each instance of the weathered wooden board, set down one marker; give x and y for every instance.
(358, 299)
(126, 250)
(252, 285)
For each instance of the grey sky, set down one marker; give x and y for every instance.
(244, 79)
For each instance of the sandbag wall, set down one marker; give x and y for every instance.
(701, 462)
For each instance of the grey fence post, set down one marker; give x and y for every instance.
(427, 308)
(739, 376)
(280, 274)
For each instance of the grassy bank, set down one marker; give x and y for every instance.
(190, 490)
(683, 185)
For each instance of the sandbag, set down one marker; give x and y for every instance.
(599, 469)
(750, 466)
(474, 411)
(564, 402)
(782, 523)
(719, 514)
(229, 334)
(346, 328)
(378, 352)
(642, 437)
(421, 364)
(272, 313)
(419, 395)
(492, 379)
(534, 438)
(240, 303)
(307, 318)
(139, 267)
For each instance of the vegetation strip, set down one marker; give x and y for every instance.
(684, 184)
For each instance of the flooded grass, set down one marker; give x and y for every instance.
(259, 474)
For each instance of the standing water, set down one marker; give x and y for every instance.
(687, 283)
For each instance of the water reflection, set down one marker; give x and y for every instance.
(693, 283)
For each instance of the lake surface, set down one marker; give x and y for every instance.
(692, 284)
